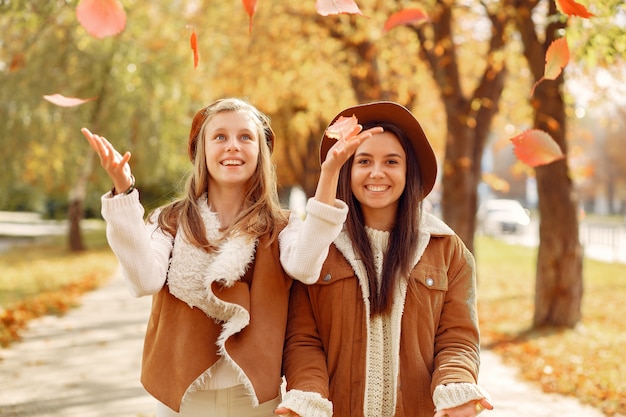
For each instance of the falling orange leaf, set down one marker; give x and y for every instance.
(61, 100)
(342, 127)
(404, 17)
(101, 18)
(17, 62)
(571, 8)
(535, 147)
(331, 7)
(557, 58)
(250, 6)
(193, 40)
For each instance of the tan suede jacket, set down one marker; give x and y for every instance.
(180, 342)
(326, 345)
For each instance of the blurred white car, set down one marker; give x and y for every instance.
(499, 216)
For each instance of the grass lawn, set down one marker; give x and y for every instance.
(586, 362)
(48, 279)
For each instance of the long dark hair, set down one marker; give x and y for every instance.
(404, 233)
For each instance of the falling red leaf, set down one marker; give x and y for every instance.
(61, 100)
(330, 7)
(557, 58)
(101, 18)
(404, 17)
(194, 47)
(250, 6)
(571, 8)
(17, 62)
(535, 147)
(342, 127)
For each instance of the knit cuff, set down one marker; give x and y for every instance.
(335, 214)
(307, 404)
(455, 394)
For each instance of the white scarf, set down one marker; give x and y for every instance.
(192, 270)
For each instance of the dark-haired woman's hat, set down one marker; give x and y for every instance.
(400, 116)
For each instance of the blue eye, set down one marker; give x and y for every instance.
(246, 137)
(220, 137)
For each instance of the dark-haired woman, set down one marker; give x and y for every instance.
(387, 325)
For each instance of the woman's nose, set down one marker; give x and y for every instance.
(232, 145)
(377, 171)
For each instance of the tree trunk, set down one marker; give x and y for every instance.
(468, 118)
(559, 280)
(559, 283)
(74, 216)
(76, 204)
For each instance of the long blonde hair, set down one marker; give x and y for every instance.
(261, 212)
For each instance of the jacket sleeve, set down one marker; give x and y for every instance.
(304, 361)
(142, 249)
(457, 352)
(304, 244)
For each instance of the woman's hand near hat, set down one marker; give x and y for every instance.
(338, 155)
(115, 164)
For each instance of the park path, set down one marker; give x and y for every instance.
(86, 364)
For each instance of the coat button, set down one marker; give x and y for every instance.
(430, 282)
(326, 278)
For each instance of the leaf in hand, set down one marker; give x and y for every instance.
(342, 127)
(332, 7)
(61, 100)
(404, 17)
(101, 18)
(571, 8)
(535, 147)
(250, 6)
(557, 58)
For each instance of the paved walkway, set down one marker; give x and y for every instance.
(86, 364)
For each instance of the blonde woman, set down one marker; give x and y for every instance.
(210, 260)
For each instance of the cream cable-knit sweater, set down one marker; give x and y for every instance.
(380, 383)
(304, 248)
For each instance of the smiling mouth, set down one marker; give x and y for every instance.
(232, 162)
(376, 188)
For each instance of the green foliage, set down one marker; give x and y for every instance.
(600, 40)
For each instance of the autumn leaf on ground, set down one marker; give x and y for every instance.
(571, 8)
(557, 58)
(61, 100)
(193, 40)
(250, 6)
(330, 7)
(404, 17)
(535, 147)
(101, 18)
(342, 127)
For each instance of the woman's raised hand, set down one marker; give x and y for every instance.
(345, 147)
(338, 155)
(115, 164)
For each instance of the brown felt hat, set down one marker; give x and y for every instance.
(198, 121)
(401, 117)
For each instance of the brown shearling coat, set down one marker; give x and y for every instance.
(180, 342)
(327, 337)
